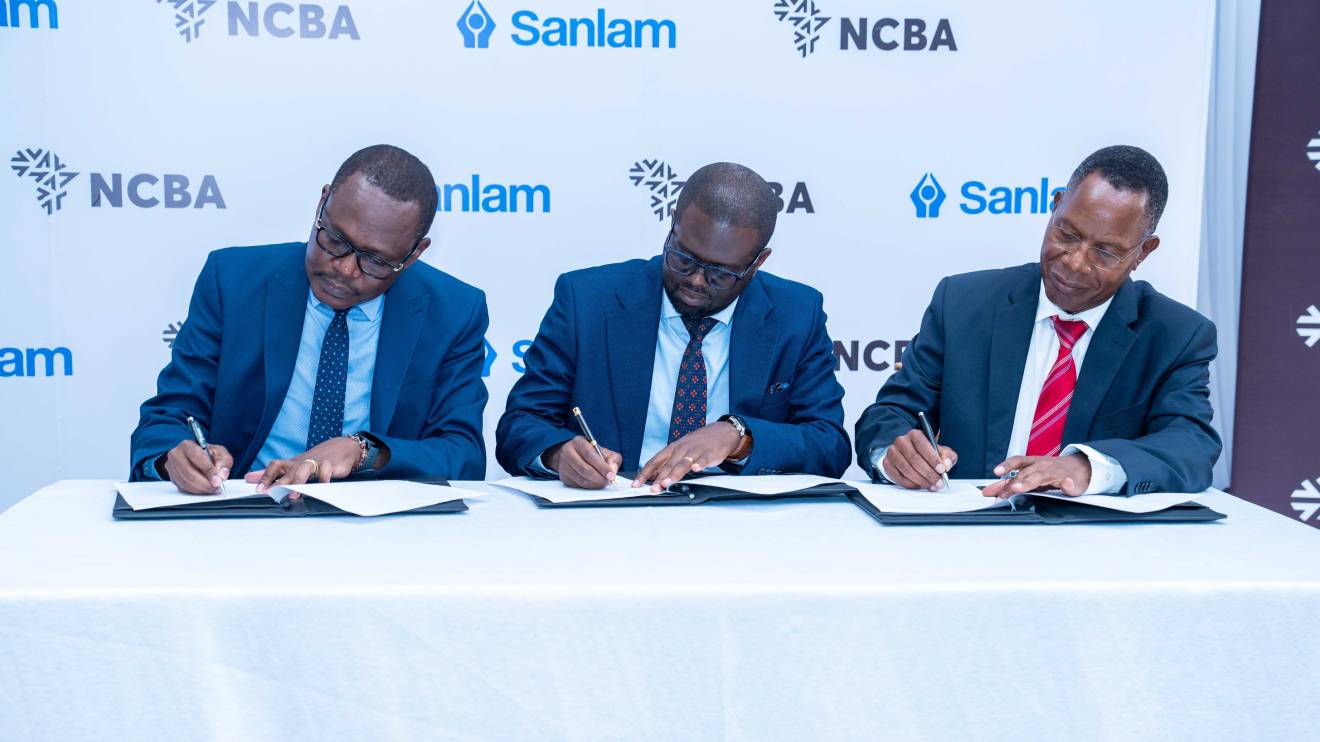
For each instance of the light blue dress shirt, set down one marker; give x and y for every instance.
(670, 342)
(288, 436)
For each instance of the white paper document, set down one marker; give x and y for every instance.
(371, 497)
(381, 497)
(151, 495)
(961, 497)
(557, 492)
(779, 484)
(1149, 503)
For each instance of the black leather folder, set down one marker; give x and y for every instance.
(693, 492)
(262, 506)
(1042, 510)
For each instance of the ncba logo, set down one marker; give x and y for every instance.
(1306, 499)
(143, 190)
(663, 185)
(808, 21)
(1308, 326)
(530, 28)
(281, 20)
(10, 17)
(171, 332)
(979, 198)
(869, 354)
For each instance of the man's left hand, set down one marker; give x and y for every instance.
(332, 459)
(1070, 474)
(702, 448)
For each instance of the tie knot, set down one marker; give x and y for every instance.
(1068, 330)
(698, 328)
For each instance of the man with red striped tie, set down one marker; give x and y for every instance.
(1066, 373)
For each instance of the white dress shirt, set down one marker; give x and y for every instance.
(1107, 475)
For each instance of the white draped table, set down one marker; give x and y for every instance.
(733, 621)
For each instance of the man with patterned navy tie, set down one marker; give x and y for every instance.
(1065, 371)
(342, 355)
(694, 359)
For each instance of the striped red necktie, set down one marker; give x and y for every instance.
(1052, 410)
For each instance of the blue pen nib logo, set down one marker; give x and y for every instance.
(476, 25)
(927, 197)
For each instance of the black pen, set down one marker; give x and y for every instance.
(934, 442)
(586, 431)
(201, 441)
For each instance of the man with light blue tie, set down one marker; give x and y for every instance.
(691, 360)
(342, 355)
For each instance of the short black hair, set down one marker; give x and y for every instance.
(1132, 169)
(734, 195)
(396, 171)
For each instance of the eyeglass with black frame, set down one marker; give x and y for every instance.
(368, 262)
(685, 265)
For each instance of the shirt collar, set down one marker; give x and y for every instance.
(368, 310)
(1046, 308)
(667, 310)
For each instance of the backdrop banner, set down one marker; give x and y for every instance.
(1276, 461)
(906, 142)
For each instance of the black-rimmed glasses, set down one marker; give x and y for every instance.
(337, 246)
(685, 265)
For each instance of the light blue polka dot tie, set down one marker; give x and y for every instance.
(327, 419)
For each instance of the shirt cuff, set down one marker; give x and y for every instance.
(878, 465)
(538, 466)
(1107, 475)
(148, 469)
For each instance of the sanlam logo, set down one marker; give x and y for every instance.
(530, 28)
(53, 177)
(476, 196)
(35, 362)
(11, 15)
(810, 27)
(979, 198)
(257, 19)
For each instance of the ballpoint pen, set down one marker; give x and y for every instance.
(934, 442)
(586, 431)
(201, 441)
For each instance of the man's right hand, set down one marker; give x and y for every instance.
(579, 466)
(191, 470)
(912, 462)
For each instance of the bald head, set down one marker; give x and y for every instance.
(731, 195)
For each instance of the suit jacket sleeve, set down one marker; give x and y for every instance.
(451, 443)
(1179, 448)
(914, 388)
(813, 440)
(186, 386)
(536, 416)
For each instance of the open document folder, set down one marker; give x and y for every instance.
(553, 493)
(151, 500)
(963, 502)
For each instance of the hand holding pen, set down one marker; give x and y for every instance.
(196, 466)
(582, 462)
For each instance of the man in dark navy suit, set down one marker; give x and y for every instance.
(340, 355)
(1065, 372)
(688, 361)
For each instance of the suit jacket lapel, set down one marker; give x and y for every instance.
(631, 324)
(1008, 358)
(1104, 356)
(751, 349)
(285, 311)
(400, 328)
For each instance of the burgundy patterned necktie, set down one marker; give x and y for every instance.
(1052, 410)
(690, 393)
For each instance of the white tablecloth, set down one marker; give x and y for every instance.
(738, 621)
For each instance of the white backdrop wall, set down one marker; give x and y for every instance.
(257, 109)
